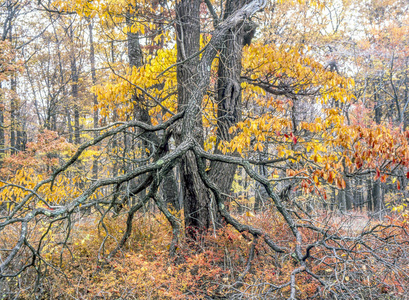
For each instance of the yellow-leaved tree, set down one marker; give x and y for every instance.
(204, 149)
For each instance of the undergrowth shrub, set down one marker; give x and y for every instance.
(217, 266)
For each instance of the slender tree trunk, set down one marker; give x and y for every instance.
(13, 105)
(333, 204)
(369, 196)
(377, 196)
(341, 200)
(13, 117)
(17, 140)
(361, 193)
(74, 89)
(261, 193)
(74, 94)
(2, 125)
(22, 136)
(94, 97)
(12, 8)
(349, 196)
(376, 188)
(69, 123)
(357, 194)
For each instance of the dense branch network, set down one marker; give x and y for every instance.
(338, 249)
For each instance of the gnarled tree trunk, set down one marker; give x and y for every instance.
(199, 213)
(229, 92)
(196, 200)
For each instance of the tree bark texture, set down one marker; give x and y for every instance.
(229, 41)
(229, 94)
(195, 197)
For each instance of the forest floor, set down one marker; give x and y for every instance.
(371, 262)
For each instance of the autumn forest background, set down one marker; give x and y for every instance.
(204, 149)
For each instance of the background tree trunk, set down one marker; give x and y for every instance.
(141, 113)
(2, 135)
(94, 97)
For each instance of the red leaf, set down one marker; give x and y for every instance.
(398, 184)
(407, 175)
(330, 177)
(378, 174)
(295, 140)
